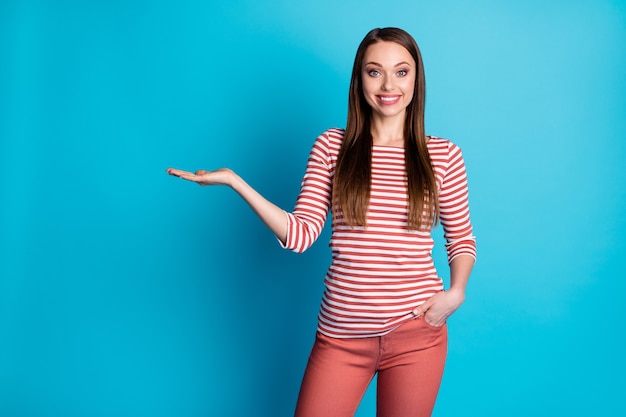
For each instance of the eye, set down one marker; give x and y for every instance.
(402, 73)
(373, 73)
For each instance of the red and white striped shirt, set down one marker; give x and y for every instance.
(381, 272)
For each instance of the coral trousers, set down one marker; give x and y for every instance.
(409, 362)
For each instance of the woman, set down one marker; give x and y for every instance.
(384, 309)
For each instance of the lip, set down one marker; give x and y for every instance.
(388, 99)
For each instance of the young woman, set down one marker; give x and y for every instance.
(384, 308)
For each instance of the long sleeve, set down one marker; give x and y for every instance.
(379, 273)
(454, 207)
(307, 220)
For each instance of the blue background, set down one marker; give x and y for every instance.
(124, 291)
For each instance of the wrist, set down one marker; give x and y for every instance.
(457, 293)
(233, 180)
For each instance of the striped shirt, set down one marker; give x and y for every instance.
(381, 272)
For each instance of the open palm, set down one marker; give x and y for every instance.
(220, 176)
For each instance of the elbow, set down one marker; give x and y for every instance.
(461, 247)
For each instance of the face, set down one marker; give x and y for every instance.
(388, 79)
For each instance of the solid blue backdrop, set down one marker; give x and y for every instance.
(127, 292)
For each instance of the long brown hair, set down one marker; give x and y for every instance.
(351, 188)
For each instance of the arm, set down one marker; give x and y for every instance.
(273, 216)
(307, 220)
(298, 230)
(440, 306)
(460, 270)
(460, 242)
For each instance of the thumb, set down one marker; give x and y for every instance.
(421, 309)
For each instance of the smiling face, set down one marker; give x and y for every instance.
(388, 79)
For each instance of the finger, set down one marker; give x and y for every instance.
(420, 310)
(189, 177)
(185, 175)
(201, 172)
(182, 174)
(176, 172)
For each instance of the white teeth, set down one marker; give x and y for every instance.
(389, 98)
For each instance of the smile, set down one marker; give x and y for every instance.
(388, 99)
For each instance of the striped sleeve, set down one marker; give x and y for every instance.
(454, 207)
(307, 220)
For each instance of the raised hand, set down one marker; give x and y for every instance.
(273, 216)
(222, 176)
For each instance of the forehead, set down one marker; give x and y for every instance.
(387, 53)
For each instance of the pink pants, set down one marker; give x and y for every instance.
(409, 362)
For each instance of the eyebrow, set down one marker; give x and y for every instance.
(379, 65)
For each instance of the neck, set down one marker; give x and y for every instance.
(388, 131)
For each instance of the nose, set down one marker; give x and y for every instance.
(387, 84)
